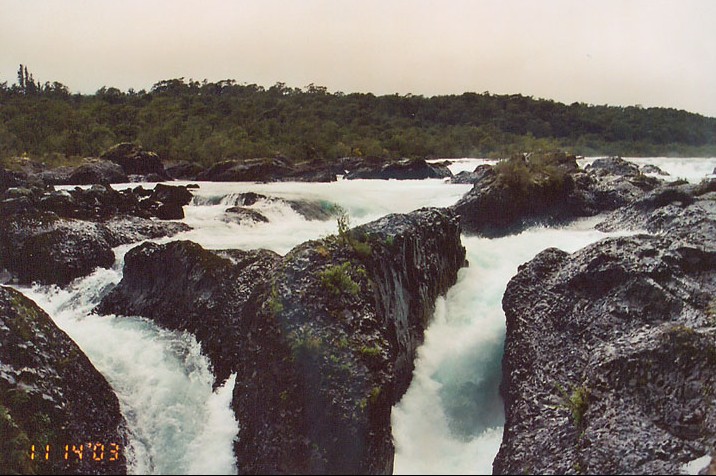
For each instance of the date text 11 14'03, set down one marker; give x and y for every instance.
(77, 452)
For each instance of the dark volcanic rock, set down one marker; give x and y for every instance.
(98, 172)
(546, 189)
(134, 160)
(480, 173)
(652, 169)
(407, 169)
(678, 210)
(55, 237)
(51, 250)
(185, 170)
(242, 215)
(9, 179)
(322, 340)
(518, 193)
(320, 210)
(50, 394)
(254, 170)
(315, 171)
(613, 166)
(610, 356)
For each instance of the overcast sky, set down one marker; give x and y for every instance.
(617, 52)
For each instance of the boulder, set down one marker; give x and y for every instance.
(315, 171)
(652, 169)
(322, 340)
(613, 166)
(55, 237)
(99, 202)
(97, 172)
(610, 357)
(547, 189)
(406, 169)
(241, 215)
(477, 175)
(51, 394)
(134, 160)
(518, 193)
(676, 210)
(185, 170)
(45, 248)
(311, 210)
(254, 170)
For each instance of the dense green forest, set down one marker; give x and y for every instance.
(206, 122)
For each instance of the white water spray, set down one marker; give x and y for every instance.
(449, 421)
(178, 425)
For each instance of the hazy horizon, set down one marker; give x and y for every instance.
(621, 53)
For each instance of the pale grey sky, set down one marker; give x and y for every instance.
(617, 52)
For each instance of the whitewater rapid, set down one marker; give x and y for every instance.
(451, 418)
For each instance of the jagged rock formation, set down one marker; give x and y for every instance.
(322, 340)
(546, 189)
(50, 394)
(610, 355)
(652, 169)
(55, 237)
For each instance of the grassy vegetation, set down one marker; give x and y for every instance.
(348, 237)
(524, 174)
(576, 402)
(274, 303)
(337, 280)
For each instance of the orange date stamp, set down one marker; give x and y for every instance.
(90, 451)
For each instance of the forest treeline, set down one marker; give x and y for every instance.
(206, 122)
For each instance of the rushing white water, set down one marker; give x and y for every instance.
(178, 424)
(451, 418)
(449, 421)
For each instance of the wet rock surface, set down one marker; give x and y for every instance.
(610, 353)
(134, 160)
(50, 394)
(546, 189)
(406, 169)
(322, 340)
(53, 237)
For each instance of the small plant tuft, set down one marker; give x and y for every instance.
(577, 402)
(337, 280)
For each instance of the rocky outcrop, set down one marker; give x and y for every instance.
(406, 169)
(93, 172)
(185, 170)
(652, 169)
(610, 354)
(684, 210)
(241, 215)
(55, 237)
(547, 189)
(134, 160)
(51, 394)
(252, 170)
(480, 173)
(322, 340)
(615, 166)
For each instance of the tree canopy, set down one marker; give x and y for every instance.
(210, 121)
